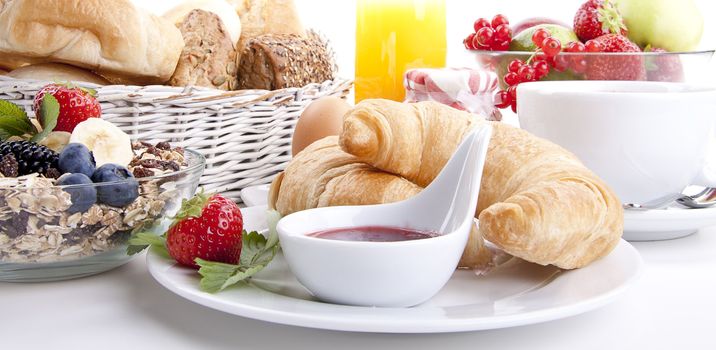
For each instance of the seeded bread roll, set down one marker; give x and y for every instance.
(209, 57)
(277, 61)
(220, 7)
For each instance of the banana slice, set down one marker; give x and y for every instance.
(107, 142)
(56, 140)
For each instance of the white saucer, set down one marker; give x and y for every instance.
(255, 195)
(514, 293)
(670, 223)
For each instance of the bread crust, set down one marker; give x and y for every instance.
(108, 37)
(208, 58)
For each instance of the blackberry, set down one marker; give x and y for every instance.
(30, 157)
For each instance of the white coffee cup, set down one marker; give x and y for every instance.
(647, 140)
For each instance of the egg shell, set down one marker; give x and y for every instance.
(322, 118)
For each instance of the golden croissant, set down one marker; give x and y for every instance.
(537, 200)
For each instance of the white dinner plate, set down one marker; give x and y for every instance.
(512, 294)
(670, 223)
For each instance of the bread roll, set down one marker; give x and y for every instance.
(112, 38)
(277, 61)
(221, 8)
(56, 72)
(209, 56)
(259, 17)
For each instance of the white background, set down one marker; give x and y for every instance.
(336, 20)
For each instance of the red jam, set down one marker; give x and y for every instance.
(373, 234)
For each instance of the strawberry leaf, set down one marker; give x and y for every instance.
(192, 207)
(141, 240)
(256, 253)
(14, 121)
(49, 111)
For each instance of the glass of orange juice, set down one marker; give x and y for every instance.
(393, 36)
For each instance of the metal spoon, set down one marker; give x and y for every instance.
(703, 199)
(658, 203)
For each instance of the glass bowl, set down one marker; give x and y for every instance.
(648, 66)
(43, 239)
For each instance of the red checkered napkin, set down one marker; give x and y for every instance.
(462, 88)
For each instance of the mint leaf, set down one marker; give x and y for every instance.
(49, 110)
(256, 253)
(14, 121)
(141, 240)
(11, 109)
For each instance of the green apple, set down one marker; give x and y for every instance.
(523, 40)
(673, 25)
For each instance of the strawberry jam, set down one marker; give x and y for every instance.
(373, 234)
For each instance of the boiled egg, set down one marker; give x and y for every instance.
(322, 118)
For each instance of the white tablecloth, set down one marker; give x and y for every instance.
(673, 306)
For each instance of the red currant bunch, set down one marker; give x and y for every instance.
(492, 35)
(537, 67)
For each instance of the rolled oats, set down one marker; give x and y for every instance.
(36, 227)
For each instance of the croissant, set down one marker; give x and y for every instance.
(537, 200)
(323, 175)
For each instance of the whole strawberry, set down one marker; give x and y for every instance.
(76, 105)
(596, 18)
(615, 67)
(207, 227)
(663, 67)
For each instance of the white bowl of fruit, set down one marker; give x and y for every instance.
(74, 188)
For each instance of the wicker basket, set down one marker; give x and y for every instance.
(244, 135)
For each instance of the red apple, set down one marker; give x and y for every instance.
(533, 21)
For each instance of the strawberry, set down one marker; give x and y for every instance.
(663, 67)
(596, 18)
(615, 67)
(76, 105)
(208, 227)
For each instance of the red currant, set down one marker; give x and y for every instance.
(503, 33)
(593, 46)
(484, 36)
(575, 46)
(526, 73)
(541, 69)
(551, 46)
(512, 91)
(515, 65)
(560, 63)
(502, 99)
(539, 36)
(540, 56)
(481, 23)
(579, 66)
(511, 79)
(499, 20)
(501, 45)
(468, 41)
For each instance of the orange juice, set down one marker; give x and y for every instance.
(393, 36)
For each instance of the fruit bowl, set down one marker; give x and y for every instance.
(43, 237)
(649, 66)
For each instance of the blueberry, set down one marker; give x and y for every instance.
(122, 190)
(83, 197)
(76, 158)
